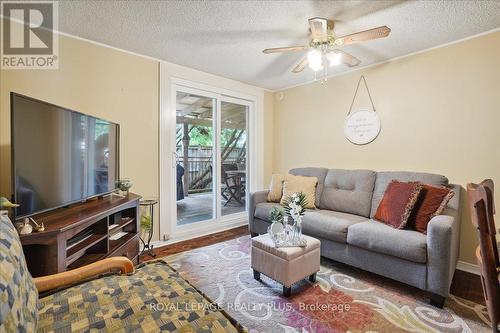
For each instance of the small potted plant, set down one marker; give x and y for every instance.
(124, 185)
(276, 228)
(276, 215)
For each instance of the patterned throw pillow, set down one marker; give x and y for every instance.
(397, 203)
(306, 185)
(276, 188)
(431, 202)
(18, 294)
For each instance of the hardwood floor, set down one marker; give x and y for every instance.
(465, 285)
(197, 242)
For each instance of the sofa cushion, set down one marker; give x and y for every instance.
(276, 188)
(348, 191)
(397, 203)
(300, 184)
(18, 293)
(379, 237)
(431, 202)
(319, 173)
(385, 177)
(138, 302)
(263, 209)
(266, 244)
(328, 224)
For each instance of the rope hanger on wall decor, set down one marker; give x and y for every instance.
(362, 77)
(362, 126)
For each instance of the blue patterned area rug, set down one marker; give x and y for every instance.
(343, 299)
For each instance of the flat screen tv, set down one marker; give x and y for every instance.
(59, 156)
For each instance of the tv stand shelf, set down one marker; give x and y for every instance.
(82, 233)
(79, 250)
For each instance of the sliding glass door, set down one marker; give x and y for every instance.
(234, 157)
(211, 159)
(195, 149)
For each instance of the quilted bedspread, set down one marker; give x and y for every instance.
(152, 299)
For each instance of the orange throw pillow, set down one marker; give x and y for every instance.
(431, 202)
(397, 203)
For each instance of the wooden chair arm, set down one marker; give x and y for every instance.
(64, 279)
(479, 258)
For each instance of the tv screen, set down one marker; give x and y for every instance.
(59, 156)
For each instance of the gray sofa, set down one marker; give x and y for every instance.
(346, 202)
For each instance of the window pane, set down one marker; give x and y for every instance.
(234, 138)
(195, 158)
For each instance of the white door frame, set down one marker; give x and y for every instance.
(168, 207)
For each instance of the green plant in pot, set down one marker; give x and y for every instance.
(146, 223)
(276, 228)
(276, 215)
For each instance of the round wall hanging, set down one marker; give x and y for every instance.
(363, 125)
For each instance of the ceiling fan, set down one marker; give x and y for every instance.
(325, 47)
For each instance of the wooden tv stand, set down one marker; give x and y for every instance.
(82, 234)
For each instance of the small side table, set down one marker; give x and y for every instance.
(147, 217)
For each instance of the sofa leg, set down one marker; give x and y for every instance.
(253, 234)
(287, 291)
(312, 277)
(256, 275)
(437, 300)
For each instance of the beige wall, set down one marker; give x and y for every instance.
(440, 112)
(124, 88)
(102, 82)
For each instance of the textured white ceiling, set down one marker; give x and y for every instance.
(226, 37)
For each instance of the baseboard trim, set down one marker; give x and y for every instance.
(468, 267)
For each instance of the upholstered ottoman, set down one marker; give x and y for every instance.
(285, 265)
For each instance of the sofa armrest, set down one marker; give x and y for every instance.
(442, 253)
(255, 199)
(65, 279)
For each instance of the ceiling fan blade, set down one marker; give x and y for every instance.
(319, 29)
(330, 24)
(361, 36)
(300, 66)
(348, 59)
(285, 49)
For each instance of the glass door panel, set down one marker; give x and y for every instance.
(195, 158)
(233, 157)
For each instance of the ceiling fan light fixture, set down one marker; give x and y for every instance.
(334, 58)
(315, 59)
(325, 47)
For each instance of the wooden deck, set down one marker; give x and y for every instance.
(198, 207)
